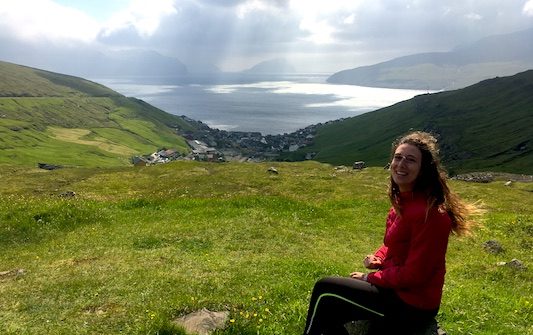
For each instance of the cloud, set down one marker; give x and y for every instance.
(235, 34)
(143, 16)
(44, 20)
(528, 8)
(473, 16)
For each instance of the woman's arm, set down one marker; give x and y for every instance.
(427, 252)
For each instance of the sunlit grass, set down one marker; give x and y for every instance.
(136, 248)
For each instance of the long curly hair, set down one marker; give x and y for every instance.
(432, 182)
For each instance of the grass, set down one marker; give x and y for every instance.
(138, 247)
(81, 131)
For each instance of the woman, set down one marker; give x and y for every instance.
(404, 292)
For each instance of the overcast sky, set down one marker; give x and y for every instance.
(315, 35)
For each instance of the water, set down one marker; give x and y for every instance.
(266, 104)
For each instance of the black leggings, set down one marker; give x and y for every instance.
(338, 300)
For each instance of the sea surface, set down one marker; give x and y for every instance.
(266, 104)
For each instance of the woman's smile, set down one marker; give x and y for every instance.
(405, 166)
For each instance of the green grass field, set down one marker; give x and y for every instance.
(138, 247)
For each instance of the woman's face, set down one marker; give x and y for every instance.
(405, 166)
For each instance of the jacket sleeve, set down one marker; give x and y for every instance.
(427, 252)
(381, 252)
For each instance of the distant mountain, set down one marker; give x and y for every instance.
(484, 127)
(59, 119)
(273, 66)
(465, 65)
(86, 62)
(138, 63)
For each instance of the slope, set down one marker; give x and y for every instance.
(487, 126)
(65, 120)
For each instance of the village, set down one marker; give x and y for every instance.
(215, 145)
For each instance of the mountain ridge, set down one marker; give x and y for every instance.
(465, 65)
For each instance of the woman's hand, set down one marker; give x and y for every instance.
(372, 262)
(358, 275)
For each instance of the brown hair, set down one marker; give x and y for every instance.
(432, 182)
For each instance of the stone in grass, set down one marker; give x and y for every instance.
(12, 273)
(203, 322)
(272, 170)
(513, 264)
(493, 247)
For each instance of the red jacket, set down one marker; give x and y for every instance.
(414, 251)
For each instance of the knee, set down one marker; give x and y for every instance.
(326, 281)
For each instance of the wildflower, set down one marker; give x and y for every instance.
(232, 320)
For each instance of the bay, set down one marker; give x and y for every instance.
(260, 103)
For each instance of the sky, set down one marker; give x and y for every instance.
(314, 35)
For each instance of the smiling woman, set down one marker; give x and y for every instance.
(402, 293)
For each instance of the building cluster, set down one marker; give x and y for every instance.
(214, 145)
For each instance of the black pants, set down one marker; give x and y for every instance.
(338, 300)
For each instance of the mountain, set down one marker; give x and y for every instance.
(86, 62)
(483, 127)
(137, 63)
(465, 65)
(65, 120)
(273, 66)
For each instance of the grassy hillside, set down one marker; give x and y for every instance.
(65, 120)
(487, 126)
(134, 249)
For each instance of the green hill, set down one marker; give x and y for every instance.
(486, 126)
(65, 120)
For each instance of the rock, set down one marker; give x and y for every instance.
(47, 166)
(12, 273)
(203, 322)
(514, 264)
(493, 247)
(272, 170)
(68, 194)
(359, 165)
(476, 177)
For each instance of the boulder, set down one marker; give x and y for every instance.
(493, 247)
(359, 165)
(513, 263)
(67, 194)
(272, 170)
(46, 166)
(203, 322)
